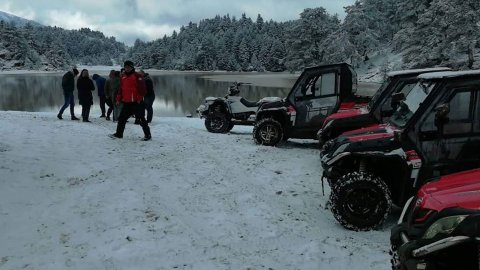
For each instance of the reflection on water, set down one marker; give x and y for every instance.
(177, 93)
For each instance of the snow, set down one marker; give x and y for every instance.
(448, 74)
(412, 71)
(73, 198)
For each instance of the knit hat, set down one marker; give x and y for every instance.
(128, 63)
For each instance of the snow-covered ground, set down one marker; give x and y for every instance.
(72, 198)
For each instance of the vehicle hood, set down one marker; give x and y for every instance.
(352, 105)
(454, 190)
(377, 139)
(372, 132)
(345, 114)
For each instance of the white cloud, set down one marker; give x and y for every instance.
(26, 12)
(128, 32)
(69, 20)
(151, 19)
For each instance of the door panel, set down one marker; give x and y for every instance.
(450, 146)
(316, 99)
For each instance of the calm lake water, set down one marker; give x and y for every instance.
(177, 93)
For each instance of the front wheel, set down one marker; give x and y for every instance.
(268, 131)
(395, 260)
(217, 122)
(360, 201)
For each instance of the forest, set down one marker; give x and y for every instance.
(421, 33)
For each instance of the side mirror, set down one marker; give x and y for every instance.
(441, 114)
(397, 97)
(441, 111)
(398, 135)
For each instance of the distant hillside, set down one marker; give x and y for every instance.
(17, 21)
(378, 35)
(31, 46)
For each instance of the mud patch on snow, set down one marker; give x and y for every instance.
(3, 260)
(76, 181)
(151, 216)
(4, 148)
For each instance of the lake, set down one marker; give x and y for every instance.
(177, 93)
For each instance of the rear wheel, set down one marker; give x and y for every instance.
(268, 131)
(360, 201)
(230, 126)
(217, 122)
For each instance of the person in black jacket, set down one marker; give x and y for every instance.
(100, 81)
(68, 86)
(85, 87)
(149, 96)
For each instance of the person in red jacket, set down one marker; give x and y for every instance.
(132, 91)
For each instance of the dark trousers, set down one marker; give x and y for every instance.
(86, 111)
(117, 108)
(129, 109)
(110, 106)
(69, 101)
(102, 104)
(149, 107)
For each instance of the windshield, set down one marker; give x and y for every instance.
(378, 94)
(408, 107)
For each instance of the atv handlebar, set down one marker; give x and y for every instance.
(233, 89)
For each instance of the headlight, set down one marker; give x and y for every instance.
(444, 225)
(340, 149)
(327, 125)
(327, 146)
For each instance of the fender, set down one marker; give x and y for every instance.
(411, 158)
(218, 101)
(208, 105)
(394, 153)
(279, 112)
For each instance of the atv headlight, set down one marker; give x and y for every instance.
(327, 146)
(340, 149)
(327, 125)
(444, 225)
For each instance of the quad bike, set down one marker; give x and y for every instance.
(223, 113)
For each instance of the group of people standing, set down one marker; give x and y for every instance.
(126, 93)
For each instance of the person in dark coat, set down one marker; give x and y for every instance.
(149, 96)
(100, 81)
(109, 93)
(132, 91)
(85, 98)
(115, 86)
(68, 86)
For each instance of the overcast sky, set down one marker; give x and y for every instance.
(128, 20)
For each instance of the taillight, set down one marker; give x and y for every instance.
(414, 158)
(412, 155)
(291, 109)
